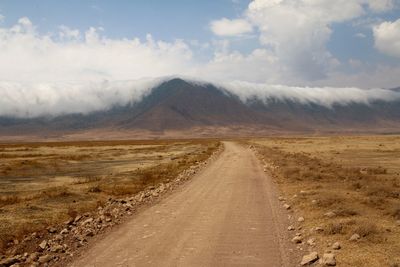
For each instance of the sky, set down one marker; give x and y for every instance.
(297, 43)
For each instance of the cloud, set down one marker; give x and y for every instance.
(27, 100)
(298, 31)
(387, 37)
(360, 35)
(382, 5)
(325, 96)
(69, 55)
(30, 100)
(230, 27)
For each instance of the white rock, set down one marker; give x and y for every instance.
(309, 259)
(43, 245)
(336, 246)
(300, 219)
(330, 214)
(291, 228)
(355, 237)
(328, 259)
(286, 206)
(311, 242)
(297, 239)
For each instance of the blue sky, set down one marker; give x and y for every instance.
(294, 42)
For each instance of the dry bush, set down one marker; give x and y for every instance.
(9, 200)
(366, 229)
(396, 213)
(55, 192)
(334, 228)
(94, 189)
(345, 212)
(326, 201)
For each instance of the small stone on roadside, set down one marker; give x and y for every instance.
(328, 259)
(45, 258)
(297, 239)
(291, 228)
(309, 259)
(43, 245)
(286, 206)
(300, 219)
(355, 237)
(330, 214)
(336, 246)
(64, 231)
(311, 242)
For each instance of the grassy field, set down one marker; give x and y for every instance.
(346, 186)
(46, 183)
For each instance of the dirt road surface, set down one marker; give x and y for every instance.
(227, 215)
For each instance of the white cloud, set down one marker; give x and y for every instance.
(27, 55)
(325, 96)
(25, 100)
(29, 100)
(298, 31)
(360, 35)
(387, 38)
(230, 27)
(381, 5)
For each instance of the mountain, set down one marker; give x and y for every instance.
(178, 108)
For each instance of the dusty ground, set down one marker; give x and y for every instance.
(226, 215)
(46, 183)
(355, 178)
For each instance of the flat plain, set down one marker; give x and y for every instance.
(342, 186)
(42, 184)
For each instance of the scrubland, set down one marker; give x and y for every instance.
(42, 184)
(342, 185)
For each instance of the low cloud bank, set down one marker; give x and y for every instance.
(28, 100)
(325, 96)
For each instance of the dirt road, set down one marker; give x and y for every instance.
(226, 215)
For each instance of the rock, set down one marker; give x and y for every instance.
(43, 245)
(57, 248)
(297, 239)
(281, 198)
(355, 237)
(300, 219)
(311, 242)
(89, 233)
(398, 222)
(69, 222)
(286, 206)
(291, 228)
(328, 259)
(64, 231)
(58, 237)
(33, 257)
(309, 259)
(9, 261)
(45, 258)
(314, 202)
(330, 214)
(87, 221)
(318, 229)
(52, 230)
(336, 246)
(77, 218)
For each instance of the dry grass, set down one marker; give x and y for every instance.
(357, 178)
(46, 183)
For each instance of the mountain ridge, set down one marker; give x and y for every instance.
(177, 106)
